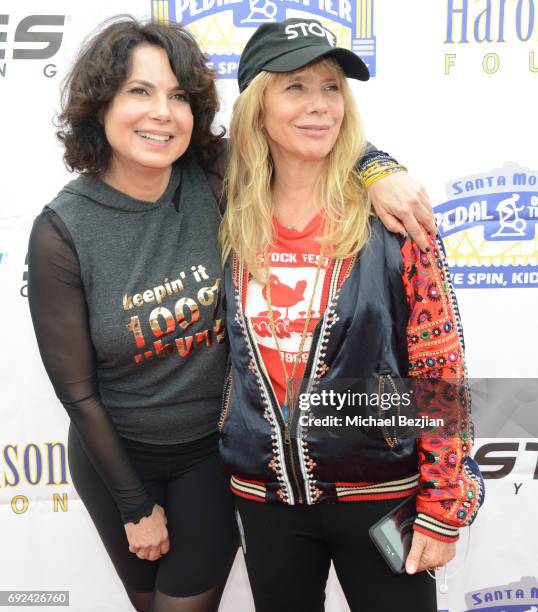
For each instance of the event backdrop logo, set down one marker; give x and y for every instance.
(33, 37)
(498, 459)
(24, 286)
(492, 24)
(488, 226)
(24, 466)
(224, 26)
(519, 596)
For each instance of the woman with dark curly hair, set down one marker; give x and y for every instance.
(124, 255)
(124, 291)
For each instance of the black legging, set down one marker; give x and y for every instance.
(288, 551)
(188, 481)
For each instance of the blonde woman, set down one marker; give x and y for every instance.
(317, 289)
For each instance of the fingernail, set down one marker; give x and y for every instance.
(411, 568)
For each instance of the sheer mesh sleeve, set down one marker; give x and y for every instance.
(60, 317)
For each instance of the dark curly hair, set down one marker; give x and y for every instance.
(101, 68)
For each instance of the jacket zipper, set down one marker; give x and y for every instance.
(268, 388)
(226, 395)
(287, 429)
(288, 444)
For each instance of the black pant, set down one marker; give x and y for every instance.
(188, 481)
(288, 551)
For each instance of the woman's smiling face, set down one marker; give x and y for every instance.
(149, 122)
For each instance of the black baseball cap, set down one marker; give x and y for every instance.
(292, 44)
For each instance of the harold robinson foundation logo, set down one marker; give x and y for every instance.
(488, 226)
(492, 25)
(223, 26)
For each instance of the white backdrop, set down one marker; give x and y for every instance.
(453, 97)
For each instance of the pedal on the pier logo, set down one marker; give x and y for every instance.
(222, 27)
(488, 226)
(521, 596)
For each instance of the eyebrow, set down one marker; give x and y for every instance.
(300, 76)
(294, 75)
(151, 85)
(302, 72)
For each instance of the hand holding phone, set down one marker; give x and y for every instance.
(428, 553)
(393, 534)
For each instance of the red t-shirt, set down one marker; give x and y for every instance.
(293, 266)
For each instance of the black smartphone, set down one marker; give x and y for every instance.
(393, 534)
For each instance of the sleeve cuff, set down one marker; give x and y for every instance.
(135, 515)
(433, 527)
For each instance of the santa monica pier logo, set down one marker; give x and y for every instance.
(223, 26)
(519, 596)
(488, 226)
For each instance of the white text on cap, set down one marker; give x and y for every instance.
(309, 28)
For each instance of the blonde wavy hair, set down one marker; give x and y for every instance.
(247, 225)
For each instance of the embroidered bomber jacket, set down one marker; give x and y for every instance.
(391, 314)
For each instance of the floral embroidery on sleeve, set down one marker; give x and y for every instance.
(450, 485)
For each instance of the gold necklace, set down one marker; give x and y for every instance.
(289, 399)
